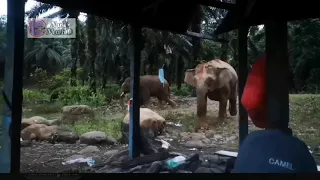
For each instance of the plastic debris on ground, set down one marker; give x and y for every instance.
(87, 160)
(175, 124)
(176, 161)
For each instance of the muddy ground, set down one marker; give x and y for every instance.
(48, 158)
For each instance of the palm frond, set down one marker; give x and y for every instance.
(54, 56)
(38, 9)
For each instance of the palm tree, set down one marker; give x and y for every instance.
(46, 55)
(74, 49)
(41, 8)
(92, 53)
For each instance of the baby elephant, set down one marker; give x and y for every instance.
(150, 86)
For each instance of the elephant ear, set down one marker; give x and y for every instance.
(189, 77)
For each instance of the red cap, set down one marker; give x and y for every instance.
(254, 97)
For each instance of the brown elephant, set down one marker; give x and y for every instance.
(218, 81)
(150, 86)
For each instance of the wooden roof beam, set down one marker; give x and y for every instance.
(217, 4)
(203, 36)
(249, 7)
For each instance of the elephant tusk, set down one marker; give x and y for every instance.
(121, 94)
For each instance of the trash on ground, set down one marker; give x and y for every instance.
(88, 160)
(165, 144)
(175, 124)
(174, 162)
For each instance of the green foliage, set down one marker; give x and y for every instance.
(81, 95)
(185, 90)
(60, 80)
(305, 115)
(80, 72)
(43, 109)
(111, 92)
(41, 77)
(111, 127)
(305, 54)
(34, 97)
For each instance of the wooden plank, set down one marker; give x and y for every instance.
(242, 79)
(277, 73)
(13, 80)
(134, 125)
(203, 36)
(227, 153)
(217, 4)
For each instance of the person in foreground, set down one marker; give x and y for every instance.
(270, 150)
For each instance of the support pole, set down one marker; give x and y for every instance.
(134, 132)
(242, 75)
(10, 152)
(277, 74)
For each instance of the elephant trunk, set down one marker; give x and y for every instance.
(122, 96)
(201, 102)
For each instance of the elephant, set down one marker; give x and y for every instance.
(150, 86)
(218, 81)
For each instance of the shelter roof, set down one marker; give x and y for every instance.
(157, 14)
(148, 13)
(256, 12)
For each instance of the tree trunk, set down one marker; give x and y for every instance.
(196, 42)
(81, 53)
(224, 48)
(92, 54)
(74, 50)
(179, 68)
(104, 74)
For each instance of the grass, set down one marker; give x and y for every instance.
(304, 119)
(109, 123)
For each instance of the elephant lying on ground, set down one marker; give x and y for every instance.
(218, 81)
(150, 86)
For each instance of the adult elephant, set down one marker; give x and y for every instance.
(218, 81)
(150, 86)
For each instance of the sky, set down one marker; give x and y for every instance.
(30, 4)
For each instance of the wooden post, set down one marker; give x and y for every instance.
(10, 151)
(134, 132)
(242, 75)
(277, 73)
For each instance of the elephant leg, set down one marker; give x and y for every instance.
(171, 102)
(146, 101)
(165, 97)
(145, 98)
(233, 100)
(233, 107)
(201, 122)
(223, 108)
(160, 103)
